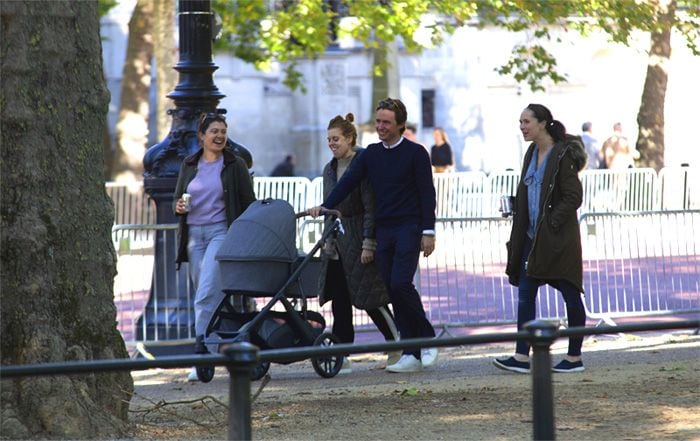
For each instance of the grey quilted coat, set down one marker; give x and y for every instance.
(367, 289)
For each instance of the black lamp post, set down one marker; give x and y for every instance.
(169, 312)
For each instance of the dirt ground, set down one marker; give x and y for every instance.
(635, 387)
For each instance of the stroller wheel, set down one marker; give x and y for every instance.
(205, 373)
(327, 366)
(259, 371)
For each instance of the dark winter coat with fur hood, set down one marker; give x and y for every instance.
(556, 247)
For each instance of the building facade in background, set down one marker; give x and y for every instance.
(454, 86)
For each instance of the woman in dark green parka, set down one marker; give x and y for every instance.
(545, 242)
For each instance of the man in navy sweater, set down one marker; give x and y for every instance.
(400, 173)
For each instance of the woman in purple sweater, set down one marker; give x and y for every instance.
(220, 189)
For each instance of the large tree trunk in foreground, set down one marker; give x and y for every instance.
(650, 140)
(132, 125)
(58, 261)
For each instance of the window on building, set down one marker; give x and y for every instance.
(428, 107)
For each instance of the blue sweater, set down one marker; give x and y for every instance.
(402, 181)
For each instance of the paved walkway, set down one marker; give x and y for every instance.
(599, 352)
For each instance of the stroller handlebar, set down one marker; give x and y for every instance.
(324, 212)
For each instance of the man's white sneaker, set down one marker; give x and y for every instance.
(192, 376)
(429, 356)
(407, 363)
(346, 368)
(393, 357)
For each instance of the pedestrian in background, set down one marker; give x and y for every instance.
(400, 175)
(592, 146)
(411, 133)
(545, 242)
(618, 152)
(441, 156)
(349, 276)
(285, 168)
(220, 189)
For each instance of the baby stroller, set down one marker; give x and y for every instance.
(259, 258)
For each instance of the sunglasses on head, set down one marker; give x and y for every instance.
(212, 116)
(388, 104)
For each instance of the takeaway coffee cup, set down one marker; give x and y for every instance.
(506, 206)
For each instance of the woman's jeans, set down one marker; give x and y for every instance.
(527, 294)
(203, 244)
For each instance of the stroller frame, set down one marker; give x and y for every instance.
(326, 367)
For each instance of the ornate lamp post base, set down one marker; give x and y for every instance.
(169, 313)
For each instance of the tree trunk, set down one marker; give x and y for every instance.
(165, 59)
(57, 258)
(132, 125)
(385, 75)
(650, 140)
(108, 152)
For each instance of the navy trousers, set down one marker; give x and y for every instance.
(398, 248)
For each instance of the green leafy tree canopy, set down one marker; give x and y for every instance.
(260, 31)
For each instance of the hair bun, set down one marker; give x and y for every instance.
(350, 117)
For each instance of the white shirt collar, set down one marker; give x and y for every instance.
(393, 145)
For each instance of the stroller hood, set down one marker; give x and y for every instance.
(266, 231)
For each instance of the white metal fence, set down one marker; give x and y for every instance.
(634, 264)
(641, 263)
(470, 194)
(149, 305)
(131, 204)
(635, 261)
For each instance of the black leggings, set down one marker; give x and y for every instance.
(342, 308)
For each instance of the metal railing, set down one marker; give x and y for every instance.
(240, 358)
(152, 306)
(470, 194)
(679, 188)
(462, 283)
(634, 264)
(641, 263)
(633, 189)
(131, 204)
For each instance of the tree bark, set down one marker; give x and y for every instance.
(165, 59)
(57, 258)
(385, 75)
(650, 119)
(132, 124)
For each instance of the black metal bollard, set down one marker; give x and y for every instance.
(543, 334)
(243, 357)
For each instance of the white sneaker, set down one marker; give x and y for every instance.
(407, 363)
(393, 357)
(346, 367)
(192, 376)
(428, 357)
